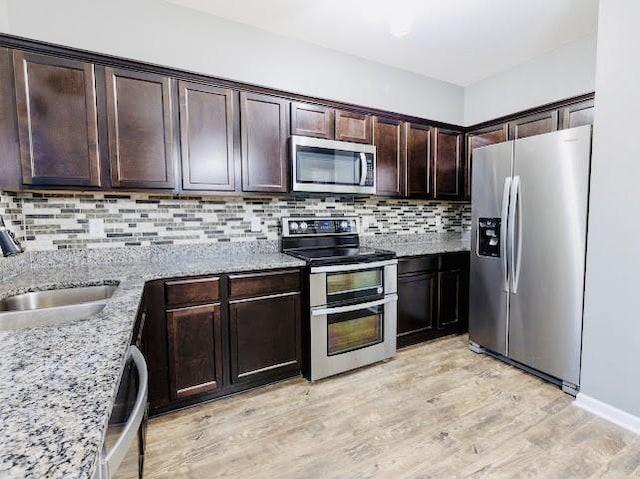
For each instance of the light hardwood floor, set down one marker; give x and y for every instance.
(435, 411)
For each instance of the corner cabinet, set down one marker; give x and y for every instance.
(448, 167)
(141, 125)
(264, 130)
(213, 336)
(433, 296)
(57, 120)
(418, 167)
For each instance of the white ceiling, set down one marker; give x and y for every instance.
(459, 41)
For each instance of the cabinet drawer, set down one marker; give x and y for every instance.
(450, 261)
(418, 264)
(192, 291)
(264, 284)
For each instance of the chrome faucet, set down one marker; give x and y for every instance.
(8, 242)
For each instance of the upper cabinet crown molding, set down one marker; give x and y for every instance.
(208, 126)
(57, 120)
(142, 146)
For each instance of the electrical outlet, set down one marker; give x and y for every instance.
(96, 227)
(256, 225)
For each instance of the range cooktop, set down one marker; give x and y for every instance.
(340, 255)
(327, 241)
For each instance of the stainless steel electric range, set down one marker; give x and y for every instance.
(351, 293)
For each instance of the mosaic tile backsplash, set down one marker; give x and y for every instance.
(53, 221)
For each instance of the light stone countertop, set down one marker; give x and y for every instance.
(57, 383)
(418, 245)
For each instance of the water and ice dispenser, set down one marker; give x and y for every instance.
(489, 237)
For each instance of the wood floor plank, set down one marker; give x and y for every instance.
(437, 410)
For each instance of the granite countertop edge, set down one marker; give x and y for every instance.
(59, 382)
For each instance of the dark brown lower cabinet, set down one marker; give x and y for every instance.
(265, 337)
(201, 344)
(195, 350)
(433, 297)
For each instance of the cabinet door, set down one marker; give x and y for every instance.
(418, 140)
(447, 165)
(417, 300)
(57, 120)
(312, 120)
(354, 127)
(484, 137)
(195, 350)
(207, 125)
(578, 114)
(453, 300)
(140, 115)
(264, 130)
(265, 338)
(390, 159)
(532, 125)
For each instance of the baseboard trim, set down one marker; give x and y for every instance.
(608, 412)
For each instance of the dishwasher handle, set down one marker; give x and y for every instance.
(110, 462)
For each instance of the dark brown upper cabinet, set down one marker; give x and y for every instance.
(531, 125)
(448, 175)
(57, 120)
(264, 128)
(390, 156)
(418, 170)
(142, 146)
(207, 134)
(577, 114)
(354, 127)
(195, 350)
(486, 136)
(308, 119)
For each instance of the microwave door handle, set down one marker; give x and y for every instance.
(363, 169)
(114, 457)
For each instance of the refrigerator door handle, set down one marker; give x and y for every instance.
(515, 205)
(503, 231)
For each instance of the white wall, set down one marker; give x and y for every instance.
(611, 341)
(166, 34)
(566, 72)
(4, 16)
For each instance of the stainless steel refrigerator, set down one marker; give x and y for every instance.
(529, 212)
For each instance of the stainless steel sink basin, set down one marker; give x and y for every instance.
(57, 306)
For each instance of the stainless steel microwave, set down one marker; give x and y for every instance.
(328, 166)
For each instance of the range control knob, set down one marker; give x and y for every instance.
(303, 226)
(344, 226)
(293, 226)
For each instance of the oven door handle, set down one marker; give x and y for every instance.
(337, 268)
(114, 457)
(392, 298)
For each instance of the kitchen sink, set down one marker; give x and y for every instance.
(53, 307)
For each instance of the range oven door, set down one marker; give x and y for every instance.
(350, 336)
(339, 284)
(123, 449)
(328, 166)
